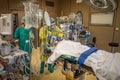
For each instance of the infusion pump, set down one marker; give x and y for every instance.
(8, 23)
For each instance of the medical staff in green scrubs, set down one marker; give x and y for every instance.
(25, 37)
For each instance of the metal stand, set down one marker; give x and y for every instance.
(113, 45)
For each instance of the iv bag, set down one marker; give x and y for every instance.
(31, 14)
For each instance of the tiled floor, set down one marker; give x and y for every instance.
(57, 75)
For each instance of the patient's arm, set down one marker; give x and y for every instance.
(53, 57)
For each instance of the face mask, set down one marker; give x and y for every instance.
(28, 26)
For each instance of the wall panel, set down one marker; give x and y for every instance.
(52, 10)
(64, 7)
(16, 5)
(3, 6)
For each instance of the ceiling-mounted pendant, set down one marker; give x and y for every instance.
(102, 5)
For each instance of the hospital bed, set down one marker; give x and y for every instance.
(103, 64)
(70, 68)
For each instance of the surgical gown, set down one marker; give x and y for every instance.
(23, 35)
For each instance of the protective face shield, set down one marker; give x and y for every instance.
(52, 22)
(23, 19)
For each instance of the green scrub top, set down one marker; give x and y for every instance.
(23, 34)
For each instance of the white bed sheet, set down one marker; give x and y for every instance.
(105, 65)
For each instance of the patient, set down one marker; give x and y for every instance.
(105, 65)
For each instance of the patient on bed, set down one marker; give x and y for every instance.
(105, 65)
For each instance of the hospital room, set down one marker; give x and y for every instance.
(59, 39)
